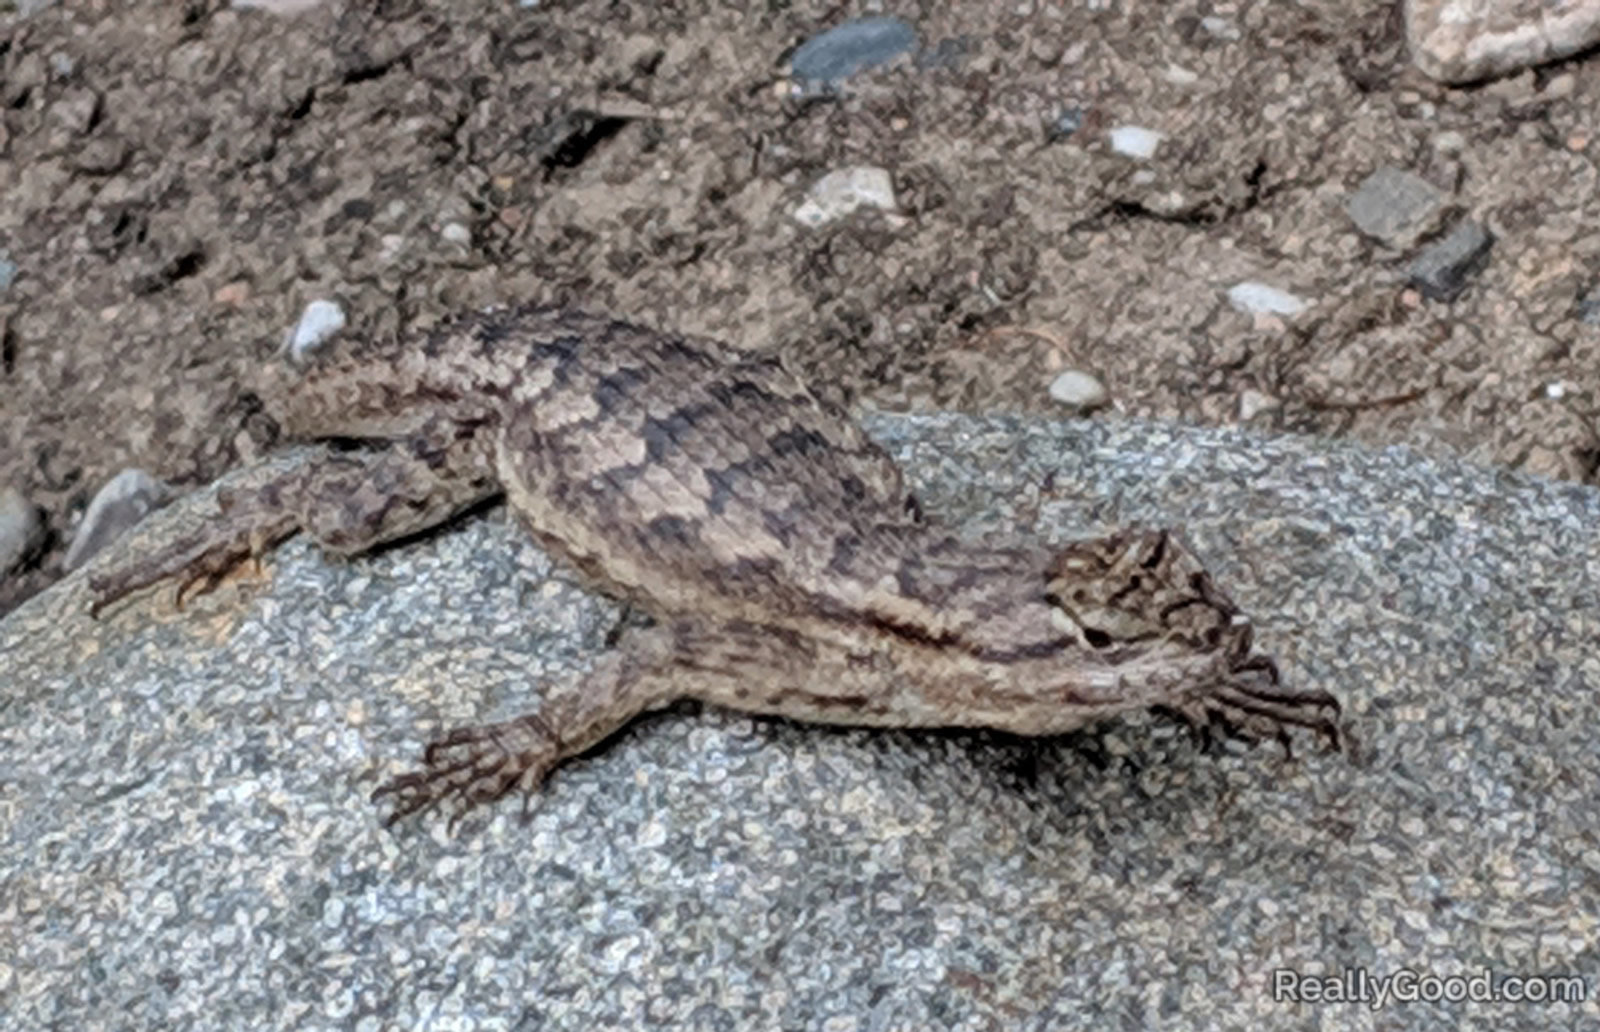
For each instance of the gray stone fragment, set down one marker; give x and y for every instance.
(1265, 299)
(852, 47)
(8, 271)
(1135, 141)
(21, 529)
(1079, 390)
(1589, 307)
(279, 6)
(126, 499)
(1442, 269)
(1397, 207)
(845, 190)
(1221, 28)
(1466, 40)
(1067, 121)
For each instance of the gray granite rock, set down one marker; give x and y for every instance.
(186, 840)
(120, 503)
(854, 46)
(1397, 207)
(1465, 40)
(21, 529)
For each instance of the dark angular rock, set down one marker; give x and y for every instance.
(1442, 269)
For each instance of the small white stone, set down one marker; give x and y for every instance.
(1221, 28)
(1079, 390)
(1252, 403)
(390, 247)
(1257, 298)
(321, 320)
(456, 233)
(1178, 75)
(279, 6)
(842, 191)
(1134, 141)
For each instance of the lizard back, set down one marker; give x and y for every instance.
(674, 470)
(692, 475)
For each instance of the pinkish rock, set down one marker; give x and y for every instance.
(1466, 40)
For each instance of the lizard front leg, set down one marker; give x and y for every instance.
(349, 501)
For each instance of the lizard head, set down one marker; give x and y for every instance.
(1141, 601)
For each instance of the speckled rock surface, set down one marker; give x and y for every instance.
(185, 840)
(1466, 40)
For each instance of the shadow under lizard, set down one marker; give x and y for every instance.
(785, 565)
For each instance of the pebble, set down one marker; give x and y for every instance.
(232, 295)
(1067, 121)
(8, 271)
(1396, 207)
(1561, 87)
(1259, 298)
(854, 46)
(1589, 307)
(1134, 141)
(279, 6)
(320, 320)
(1442, 269)
(1079, 390)
(842, 191)
(1252, 403)
(1460, 41)
(1220, 28)
(21, 529)
(1178, 75)
(126, 499)
(456, 233)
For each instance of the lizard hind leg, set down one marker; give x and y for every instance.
(478, 764)
(350, 501)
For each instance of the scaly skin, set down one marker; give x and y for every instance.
(787, 568)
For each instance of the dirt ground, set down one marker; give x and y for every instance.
(180, 179)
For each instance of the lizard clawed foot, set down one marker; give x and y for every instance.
(1254, 705)
(475, 765)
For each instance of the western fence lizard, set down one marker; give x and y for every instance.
(787, 568)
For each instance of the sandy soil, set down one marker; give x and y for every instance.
(180, 179)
